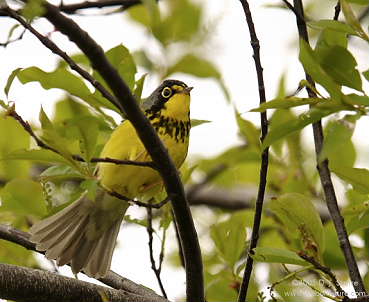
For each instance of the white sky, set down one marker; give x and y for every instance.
(232, 53)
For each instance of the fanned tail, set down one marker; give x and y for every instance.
(66, 237)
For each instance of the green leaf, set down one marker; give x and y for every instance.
(91, 186)
(230, 237)
(33, 9)
(13, 137)
(340, 64)
(10, 80)
(196, 66)
(63, 79)
(38, 155)
(142, 59)
(337, 141)
(358, 222)
(312, 66)
(366, 74)
(301, 220)
(180, 24)
(358, 178)
(4, 105)
(219, 286)
(289, 127)
(140, 14)
(141, 222)
(199, 67)
(273, 255)
(60, 172)
(137, 92)
(354, 99)
(12, 253)
(120, 57)
(195, 122)
(333, 25)
(59, 78)
(352, 20)
(360, 2)
(333, 256)
(23, 197)
(286, 102)
(88, 135)
(248, 131)
(54, 140)
(327, 39)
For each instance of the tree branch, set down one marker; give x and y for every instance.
(151, 141)
(264, 156)
(26, 284)
(325, 177)
(72, 8)
(112, 279)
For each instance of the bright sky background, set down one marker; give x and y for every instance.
(230, 50)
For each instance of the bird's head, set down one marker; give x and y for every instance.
(171, 98)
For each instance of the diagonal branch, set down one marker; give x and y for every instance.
(72, 8)
(325, 178)
(112, 279)
(151, 141)
(26, 284)
(264, 156)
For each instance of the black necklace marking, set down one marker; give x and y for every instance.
(177, 129)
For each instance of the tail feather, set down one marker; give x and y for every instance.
(63, 241)
(102, 254)
(66, 237)
(56, 219)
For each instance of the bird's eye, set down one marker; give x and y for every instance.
(166, 92)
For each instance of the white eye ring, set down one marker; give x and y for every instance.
(166, 92)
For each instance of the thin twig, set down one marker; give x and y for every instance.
(152, 143)
(156, 270)
(140, 203)
(264, 156)
(148, 164)
(291, 7)
(9, 41)
(337, 10)
(26, 126)
(325, 177)
(162, 249)
(325, 270)
(72, 8)
(55, 49)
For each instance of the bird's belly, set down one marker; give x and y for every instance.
(133, 181)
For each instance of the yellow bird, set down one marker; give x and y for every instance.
(84, 233)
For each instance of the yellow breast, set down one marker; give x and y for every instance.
(124, 144)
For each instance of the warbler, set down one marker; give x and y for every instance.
(84, 233)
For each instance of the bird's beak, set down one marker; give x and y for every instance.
(187, 90)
